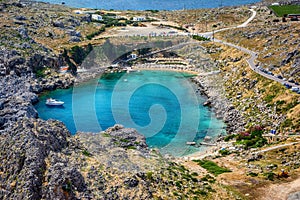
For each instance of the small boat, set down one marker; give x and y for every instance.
(190, 143)
(129, 69)
(54, 102)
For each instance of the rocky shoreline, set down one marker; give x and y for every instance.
(20, 90)
(220, 105)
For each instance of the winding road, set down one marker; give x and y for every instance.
(253, 55)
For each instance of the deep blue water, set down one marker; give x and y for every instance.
(161, 105)
(150, 4)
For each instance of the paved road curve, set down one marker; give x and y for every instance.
(253, 55)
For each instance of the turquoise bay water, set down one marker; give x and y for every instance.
(151, 4)
(161, 105)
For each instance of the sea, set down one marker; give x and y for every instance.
(161, 105)
(150, 4)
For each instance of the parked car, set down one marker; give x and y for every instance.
(279, 76)
(295, 89)
(287, 85)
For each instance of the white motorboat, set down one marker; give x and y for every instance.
(130, 69)
(54, 102)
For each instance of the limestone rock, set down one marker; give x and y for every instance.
(58, 24)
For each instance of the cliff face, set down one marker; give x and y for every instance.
(34, 156)
(34, 153)
(40, 160)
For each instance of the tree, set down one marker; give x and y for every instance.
(78, 54)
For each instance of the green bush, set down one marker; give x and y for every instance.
(287, 123)
(106, 135)
(194, 179)
(149, 175)
(200, 38)
(200, 192)
(153, 11)
(194, 174)
(96, 33)
(252, 174)
(67, 186)
(269, 98)
(77, 54)
(110, 15)
(208, 178)
(212, 167)
(178, 184)
(124, 140)
(86, 153)
(253, 138)
(229, 137)
(280, 102)
(40, 73)
(224, 152)
(269, 176)
(131, 147)
(256, 131)
(176, 194)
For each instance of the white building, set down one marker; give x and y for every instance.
(133, 56)
(138, 19)
(97, 17)
(78, 11)
(84, 11)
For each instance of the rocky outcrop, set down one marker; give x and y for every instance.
(289, 57)
(15, 100)
(59, 24)
(50, 83)
(12, 62)
(34, 155)
(75, 39)
(116, 142)
(40, 160)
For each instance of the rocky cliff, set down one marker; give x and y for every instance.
(41, 160)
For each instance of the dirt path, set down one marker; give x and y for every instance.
(275, 147)
(279, 191)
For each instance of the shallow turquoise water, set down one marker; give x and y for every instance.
(161, 105)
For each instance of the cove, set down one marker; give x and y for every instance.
(162, 105)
